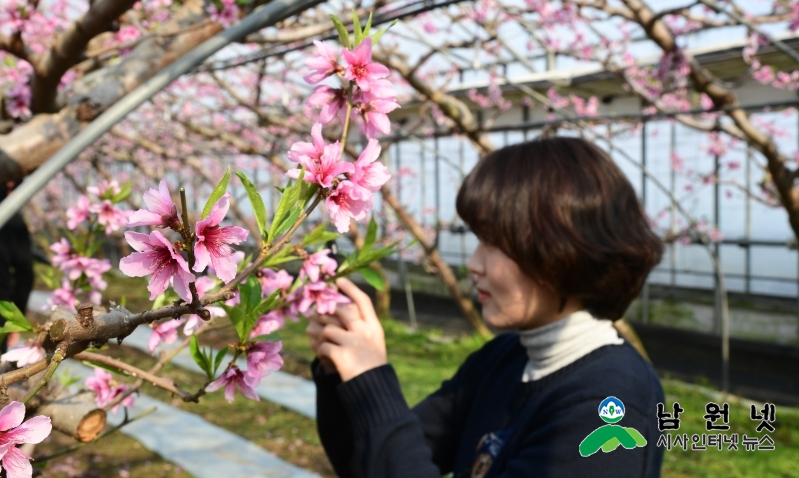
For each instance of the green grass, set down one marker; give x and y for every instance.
(782, 462)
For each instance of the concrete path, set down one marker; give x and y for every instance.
(290, 391)
(201, 448)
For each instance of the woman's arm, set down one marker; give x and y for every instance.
(332, 422)
(368, 411)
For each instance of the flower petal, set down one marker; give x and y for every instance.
(33, 431)
(17, 464)
(11, 415)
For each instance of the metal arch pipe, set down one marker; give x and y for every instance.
(262, 17)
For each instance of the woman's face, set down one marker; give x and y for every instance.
(510, 298)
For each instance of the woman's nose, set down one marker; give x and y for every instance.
(475, 265)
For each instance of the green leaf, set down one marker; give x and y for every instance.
(265, 304)
(250, 293)
(67, 379)
(123, 301)
(290, 196)
(281, 257)
(104, 367)
(368, 27)
(356, 25)
(94, 246)
(343, 35)
(123, 194)
(273, 337)
(350, 260)
(307, 191)
(14, 318)
(373, 278)
(238, 318)
(377, 36)
(375, 255)
(319, 235)
(217, 193)
(371, 235)
(241, 266)
(289, 220)
(49, 277)
(164, 298)
(220, 356)
(257, 203)
(199, 357)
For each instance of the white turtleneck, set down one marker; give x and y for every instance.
(553, 346)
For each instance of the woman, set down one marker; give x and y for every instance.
(564, 248)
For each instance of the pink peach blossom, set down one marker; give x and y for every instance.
(324, 170)
(65, 295)
(24, 355)
(266, 324)
(232, 378)
(369, 175)
(158, 257)
(344, 203)
(79, 213)
(104, 187)
(166, 332)
(106, 389)
(262, 359)
(109, 216)
(204, 285)
(325, 296)
(13, 432)
(318, 263)
(301, 150)
(332, 101)
(373, 114)
(324, 64)
(213, 242)
(360, 67)
(161, 210)
(272, 281)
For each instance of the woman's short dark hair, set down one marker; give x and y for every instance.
(567, 215)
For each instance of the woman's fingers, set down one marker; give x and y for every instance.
(360, 299)
(314, 333)
(334, 334)
(349, 316)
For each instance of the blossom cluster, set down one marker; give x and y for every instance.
(162, 260)
(106, 389)
(167, 332)
(367, 95)
(80, 272)
(297, 296)
(100, 206)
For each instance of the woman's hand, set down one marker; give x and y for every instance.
(316, 325)
(355, 344)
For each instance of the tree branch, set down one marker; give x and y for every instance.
(69, 48)
(161, 382)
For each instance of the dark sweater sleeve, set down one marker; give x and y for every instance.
(332, 423)
(388, 437)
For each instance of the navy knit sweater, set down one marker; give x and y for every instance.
(485, 422)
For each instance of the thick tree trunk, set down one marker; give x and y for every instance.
(76, 415)
(31, 144)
